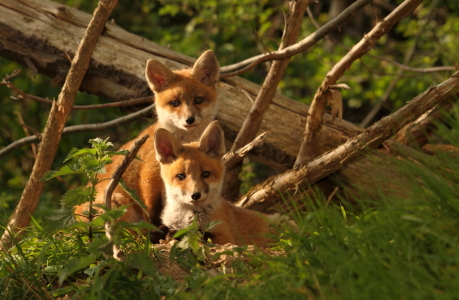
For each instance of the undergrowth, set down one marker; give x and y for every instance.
(385, 248)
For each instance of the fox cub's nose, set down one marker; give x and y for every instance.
(190, 120)
(196, 196)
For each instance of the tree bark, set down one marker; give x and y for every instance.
(41, 33)
(55, 124)
(309, 145)
(303, 176)
(264, 98)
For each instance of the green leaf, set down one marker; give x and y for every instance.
(65, 170)
(76, 152)
(133, 194)
(110, 215)
(100, 144)
(58, 220)
(184, 243)
(92, 165)
(141, 224)
(75, 197)
(75, 265)
(211, 225)
(181, 232)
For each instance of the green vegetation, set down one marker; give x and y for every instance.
(235, 30)
(385, 248)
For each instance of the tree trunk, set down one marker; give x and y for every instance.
(59, 114)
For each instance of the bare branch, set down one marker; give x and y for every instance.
(304, 175)
(232, 158)
(55, 124)
(117, 253)
(306, 43)
(23, 95)
(82, 128)
(233, 163)
(401, 66)
(253, 120)
(316, 111)
(417, 133)
(408, 56)
(276, 72)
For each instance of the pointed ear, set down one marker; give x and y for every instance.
(212, 141)
(206, 69)
(167, 147)
(159, 76)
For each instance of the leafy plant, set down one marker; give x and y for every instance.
(192, 249)
(89, 162)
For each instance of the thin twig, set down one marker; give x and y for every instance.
(408, 57)
(82, 128)
(55, 124)
(231, 158)
(23, 95)
(308, 147)
(306, 43)
(396, 63)
(253, 120)
(273, 189)
(26, 130)
(117, 252)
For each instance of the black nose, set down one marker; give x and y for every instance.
(196, 196)
(190, 120)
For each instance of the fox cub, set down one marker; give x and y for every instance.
(193, 176)
(186, 102)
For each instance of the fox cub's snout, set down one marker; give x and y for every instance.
(193, 173)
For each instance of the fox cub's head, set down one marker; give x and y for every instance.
(192, 173)
(185, 99)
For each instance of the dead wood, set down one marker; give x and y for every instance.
(116, 73)
(299, 178)
(248, 64)
(408, 56)
(232, 159)
(437, 149)
(309, 145)
(417, 133)
(82, 128)
(23, 95)
(55, 124)
(43, 33)
(253, 120)
(116, 177)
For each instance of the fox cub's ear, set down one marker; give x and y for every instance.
(212, 141)
(159, 76)
(206, 69)
(167, 147)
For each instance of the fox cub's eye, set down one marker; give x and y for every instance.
(181, 176)
(205, 174)
(175, 103)
(199, 100)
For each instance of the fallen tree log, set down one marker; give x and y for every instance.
(304, 175)
(41, 34)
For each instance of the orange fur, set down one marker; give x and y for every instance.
(187, 120)
(193, 174)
